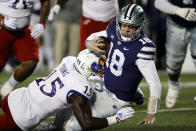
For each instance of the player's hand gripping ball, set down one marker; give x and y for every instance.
(104, 40)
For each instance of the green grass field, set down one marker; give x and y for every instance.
(181, 118)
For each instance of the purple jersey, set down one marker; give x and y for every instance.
(121, 75)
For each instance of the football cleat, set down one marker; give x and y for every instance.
(172, 94)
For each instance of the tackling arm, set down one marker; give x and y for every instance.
(82, 111)
(83, 114)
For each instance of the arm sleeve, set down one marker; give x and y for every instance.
(165, 6)
(147, 52)
(95, 35)
(148, 70)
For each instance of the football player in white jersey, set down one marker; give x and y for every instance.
(18, 37)
(66, 86)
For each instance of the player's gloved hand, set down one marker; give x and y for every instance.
(53, 11)
(37, 30)
(124, 114)
(10, 22)
(121, 115)
(188, 14)
(96, 82)
(148, 120)
(139, 97)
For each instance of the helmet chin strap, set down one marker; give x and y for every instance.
(126, 39)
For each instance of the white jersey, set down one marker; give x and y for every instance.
(44, 96)
(100, 10)
(17, 10)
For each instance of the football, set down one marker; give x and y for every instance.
(106, 41)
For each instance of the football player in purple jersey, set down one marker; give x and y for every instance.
(130, 58)
(181, 30)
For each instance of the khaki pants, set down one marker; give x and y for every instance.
(66, 41)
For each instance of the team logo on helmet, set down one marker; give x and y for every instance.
(97, 67)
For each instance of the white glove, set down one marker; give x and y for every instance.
(53, 11)
(188, 14)
(121, 115)
(124, 113)
(10, 22)
(37, 30)
(96, 82)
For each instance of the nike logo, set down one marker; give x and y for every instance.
(125, 48)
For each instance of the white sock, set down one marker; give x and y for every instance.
(12, 81)
(8, 86)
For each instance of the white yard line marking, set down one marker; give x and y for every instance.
(165, 84)
(174, 110)
(162, 110)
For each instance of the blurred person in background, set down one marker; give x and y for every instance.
(96, 15)
(20, 38)
(45, 41)
(181, 30)
(66, 30)
(156, 30)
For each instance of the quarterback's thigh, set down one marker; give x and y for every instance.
(176, 45)
(104, 105)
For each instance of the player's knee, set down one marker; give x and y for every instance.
(29, 65)
(174, 66)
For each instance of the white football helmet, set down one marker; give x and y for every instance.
(88, 63)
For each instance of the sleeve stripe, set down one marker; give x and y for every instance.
(147, 53)
(74, 91)
(145, 56)
(151, 49)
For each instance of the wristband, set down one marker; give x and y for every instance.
(43, 24)
(111, 120)
(153, 105)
